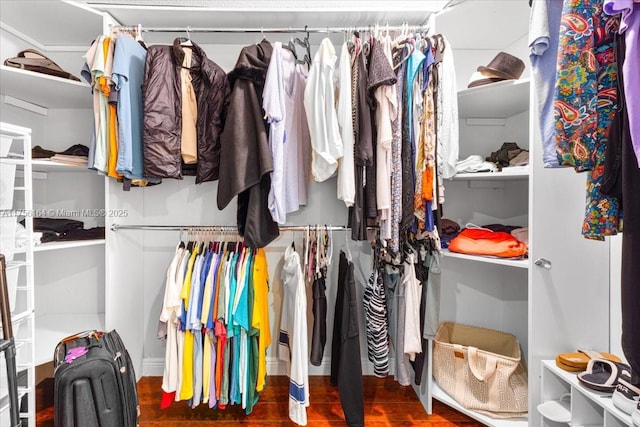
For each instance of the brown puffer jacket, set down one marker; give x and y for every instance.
(163, 111)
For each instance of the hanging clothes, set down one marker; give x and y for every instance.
(585, 96)
(289, 137)
(623, 176)
(163, 107)
(346, 166)
(321, 113)
(365, 199)
(292, 342)
(100, 103)
(377, 327)
(412, 342)
(216, 307)
(381, 84)
(169, 313)
(630, 29)
(346, 368)
(447, 111)
(188, 137)
(544, 29)
(128, 76)
(396, 157)
(245, 160)
(425, 189)
(413, 64)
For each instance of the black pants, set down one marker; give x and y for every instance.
(622, 180)
(319, 336)
(631, 255)
(346, 368)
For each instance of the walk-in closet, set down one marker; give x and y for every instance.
(267, 148)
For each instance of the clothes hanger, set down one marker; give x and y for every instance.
(139, 33)
(412, 47)
(307, 46)
(439, 47)
(346, 244)
(292, 48)
(180, 239)
(187, 42)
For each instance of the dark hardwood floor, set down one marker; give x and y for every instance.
(385, 403)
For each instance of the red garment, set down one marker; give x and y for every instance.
(481, 241)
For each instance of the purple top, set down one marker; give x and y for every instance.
(629, 11)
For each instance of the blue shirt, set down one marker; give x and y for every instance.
(128, 76)
(543, 45)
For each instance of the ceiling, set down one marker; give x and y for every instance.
(468, 24)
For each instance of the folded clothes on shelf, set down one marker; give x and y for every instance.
(475, 163)
(76, 150)
(508, 152)
(482, 241)
(57, 225)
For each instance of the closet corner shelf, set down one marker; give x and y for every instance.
(44, 165)
(52, 246)
(505, 174)
(601, 399)
(443, 397)
(44, 90)
(51, 328)
(496, 100)
(520, 263)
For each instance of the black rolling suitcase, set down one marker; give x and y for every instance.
(95, 383)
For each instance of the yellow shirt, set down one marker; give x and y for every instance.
(260, 315)
(186, 388)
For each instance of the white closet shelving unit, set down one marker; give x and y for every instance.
(66, 278)
(20, 274)
(478, 290)
(586, 408)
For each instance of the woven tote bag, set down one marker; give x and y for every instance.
(481, 369)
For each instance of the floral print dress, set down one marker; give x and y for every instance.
(584, 105)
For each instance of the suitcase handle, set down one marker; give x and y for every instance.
(86, 334)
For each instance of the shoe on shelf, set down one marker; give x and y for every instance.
(626, 395)
(602, 375)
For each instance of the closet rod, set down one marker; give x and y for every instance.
(325, 30)
(116, 227)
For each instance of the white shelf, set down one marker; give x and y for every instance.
(505, 175)
(48, 165)
(53, 23)
(601, 399)
(12, 161)
(443, 397)
(44, 90)
(54, 246)
(495, 100)
(518, 263)
(51, 328)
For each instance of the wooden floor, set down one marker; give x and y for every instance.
(385, 403)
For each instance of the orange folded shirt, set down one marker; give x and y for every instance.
(480, 241)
